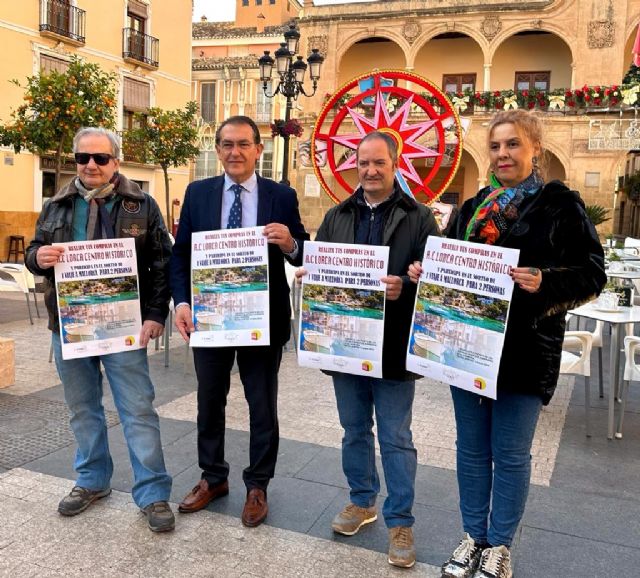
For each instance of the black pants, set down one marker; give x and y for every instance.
(259, 375)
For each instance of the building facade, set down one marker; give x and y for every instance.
(226, 78)
(145, 42)
(466, 47)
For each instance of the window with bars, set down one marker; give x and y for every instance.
(540, 80)
(208, 102)
(458, 82)
(265, 163)
(263, 103)
(206, 165)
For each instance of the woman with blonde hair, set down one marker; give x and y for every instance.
(561, 265)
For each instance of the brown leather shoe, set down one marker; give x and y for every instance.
(198, 498)
(255, 508)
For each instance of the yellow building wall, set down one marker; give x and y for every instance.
(531, 53)
(361, 57)
(22, 43)
(450, 56)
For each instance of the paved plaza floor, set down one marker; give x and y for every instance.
(582, 518)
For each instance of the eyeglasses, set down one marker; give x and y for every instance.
(101, 159)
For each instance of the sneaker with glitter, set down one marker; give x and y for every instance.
(464, 561)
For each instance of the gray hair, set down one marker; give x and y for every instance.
(98, 131)
(391, 143)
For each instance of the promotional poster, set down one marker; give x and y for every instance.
(461, 312)
(98, 297)
(230, 288)
(342, 308)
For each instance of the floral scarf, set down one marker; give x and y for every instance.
(499, 209)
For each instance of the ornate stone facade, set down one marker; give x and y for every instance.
(601, 34)
(490, 27)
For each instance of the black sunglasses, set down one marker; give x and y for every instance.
(101, 159)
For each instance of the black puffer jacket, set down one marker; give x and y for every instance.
(555, 235)
(136, 215)
(407, 226)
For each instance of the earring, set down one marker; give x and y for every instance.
(534, 162)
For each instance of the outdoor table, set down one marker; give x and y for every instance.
(627, 274)
(617, 319)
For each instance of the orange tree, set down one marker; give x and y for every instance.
(167, 138)
(56, 105)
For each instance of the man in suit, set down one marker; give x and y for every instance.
(238, 198)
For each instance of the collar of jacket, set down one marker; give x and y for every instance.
(126, 188)
(399, 197)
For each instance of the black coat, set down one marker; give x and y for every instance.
(407, 226)
(139, 218)
(554, 234)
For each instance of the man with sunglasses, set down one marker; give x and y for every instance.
(100, 203)
(239, 198)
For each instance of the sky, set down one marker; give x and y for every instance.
(224, 10)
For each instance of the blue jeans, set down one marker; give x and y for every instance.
(494, 461)
(357, 396)
(133, 394)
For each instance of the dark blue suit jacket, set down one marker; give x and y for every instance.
(201, 212)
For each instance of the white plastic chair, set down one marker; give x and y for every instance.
(579, 364)
(15, 277)
(631, 373)
(596, 334)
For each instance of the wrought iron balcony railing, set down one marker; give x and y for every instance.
(140, 47)
(61, 18)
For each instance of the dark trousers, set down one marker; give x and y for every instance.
(259, 375)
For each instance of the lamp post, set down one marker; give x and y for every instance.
(291, 77)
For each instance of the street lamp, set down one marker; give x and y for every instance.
(291, 77)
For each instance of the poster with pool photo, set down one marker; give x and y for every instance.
(230, 288)
(98, 297)
(342, 308)
(461, 313)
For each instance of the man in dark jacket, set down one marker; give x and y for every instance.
(380, 213)
(100, 203)
(239, 198)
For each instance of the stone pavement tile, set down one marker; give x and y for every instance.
(307, 413)
(598, 465)
(590, 516)
(33, 371)
(294, 504)
(557, 555)
(31, 427)
(436, 531)
(107, 541)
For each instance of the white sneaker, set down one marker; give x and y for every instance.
(495, 563)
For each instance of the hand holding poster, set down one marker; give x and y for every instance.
(342, 311)
(230, 288)
(461, 312)
(98, 297)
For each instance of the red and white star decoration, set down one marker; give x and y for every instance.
(397, 126)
